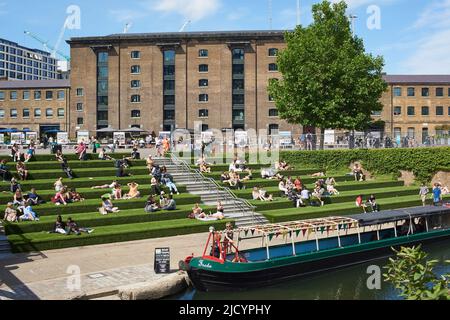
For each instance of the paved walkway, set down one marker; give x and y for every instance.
(49, 275)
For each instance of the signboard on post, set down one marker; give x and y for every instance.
(241, 139)
(17, 138)
(62, 138)
(2, 138)
(120, 136)
(31, 136)
(162, 260)
(83, 136)
(329, 137)
(285, 138)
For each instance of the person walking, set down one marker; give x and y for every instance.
(423, 192)
(437, 195)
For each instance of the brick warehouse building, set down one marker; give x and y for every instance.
(36, 105)
(166, 81)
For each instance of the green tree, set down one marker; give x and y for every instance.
(329, 81)
(413, 275)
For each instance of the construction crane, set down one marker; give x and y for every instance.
(184, 26)
(47, 46)
(127, 27)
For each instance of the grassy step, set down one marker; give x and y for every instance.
(257, 173)
(342, 187)
(92, 205)
(346, 208)
(87, 193)
(71, 156)
(107, 234)
(75, 164)
(346, 196)
(95, 219)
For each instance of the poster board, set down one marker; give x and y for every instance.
(120, 136)
(329, 137)
(241, 138)
(17, 138)
(2, 138)
(164, 134)
(31, 136)
(162, 260)
(62, 138)
(83, 136)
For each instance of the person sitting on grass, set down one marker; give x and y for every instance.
(59, 226)
(156, 172)
(14, 185)
(235, 181)
(263, 196)
(72, 227)
(151, 205)
(30, 152)
(204, 168)
(133, 193)
(10, 213)
(358, 173)
(331, 181)
(34, 197)
(60, 197)
(59, 185)
(103, 155)
(281, 166)
(360, 203)
(81, 150)
(224, 177)
(372, 202)
(18, 198)
(249, 175)
(170, 205)
(298, 184)
(332, 190)
(4, 171)
(155, 188)
(282, 187)
(74, 195)
(197, 212)
(318, 194)
(28, 214)
(22, 171)
(117, 192)
(107, 205)
(150, 162)
(66, 169)
(59, 156)
(295, 197)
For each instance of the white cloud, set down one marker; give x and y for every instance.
(126, 15)
(436, 15)
(431, 56)
(353, 4)
(193, 10)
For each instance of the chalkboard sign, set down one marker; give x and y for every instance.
(162, 260)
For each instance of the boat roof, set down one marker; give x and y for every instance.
(398, 214)
(320, 224)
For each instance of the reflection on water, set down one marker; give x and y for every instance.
(344, 284)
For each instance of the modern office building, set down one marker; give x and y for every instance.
(416, 106)
(37, 105)
(165, 81)
(21, 63)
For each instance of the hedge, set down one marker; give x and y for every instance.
(423, 162)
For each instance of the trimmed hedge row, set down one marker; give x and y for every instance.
(49, 165)
(424, 162)
(33, 242)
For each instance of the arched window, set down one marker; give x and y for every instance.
(135, 113)
(203, 82)
(273, 52)
(203, 68)
(135, 98)
(273, 112)
(273, 67)
(203, 53)
(203, 113)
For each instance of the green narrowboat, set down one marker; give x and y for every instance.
(301, 248)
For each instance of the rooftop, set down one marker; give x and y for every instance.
(200, 35)
(31, 84)
(417, 79)
(15, 44)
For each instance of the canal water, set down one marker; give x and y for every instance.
(345, 284)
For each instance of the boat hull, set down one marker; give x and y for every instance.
(233, 278)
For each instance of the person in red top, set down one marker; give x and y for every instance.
(360, 203)
(298, 184)
(81, 150)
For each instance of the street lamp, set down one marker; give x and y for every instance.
(352, 19)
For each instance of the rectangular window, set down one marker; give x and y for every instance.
(273, 67)
(26, 95)
(169, 100)
(439, 92)
(169, 70)
(169, 114)
(37, 113)
(80, 92)
(135, 113)
(169, 56)
(203, 53)
(169, 85)
(2, 95)
(135, 54)
(425, 92)
(2, 113)
(273, 52)
(103, 72)
(273, 112)
(135, 69)
(203, 83)
(102, 115)
(397, 111)
(61, 95)
(411, 92)
(238, 99)
(203, 68)
(79, 106)
(411, 133)
(49, 95)
(13, 113)
(37, 95)
(80, 121)
(439, 111)
(238, 84)
(203, 113)
(238, 69)
(397, 92)
(425, 111)
(238, 54)
(135, 83)
(13, 95)
(203, 98)
(60, 112)
(49, 112)
(26, 113)
(135, 98)
(411, 111)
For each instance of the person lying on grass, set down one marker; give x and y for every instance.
(10, 213)
(106, 186)
(74, 196)
(27, 213)
(72, 227)
(103, 155)
(107, 205)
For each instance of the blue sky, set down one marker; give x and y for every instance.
(414, 35)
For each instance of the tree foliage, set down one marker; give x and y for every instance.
(412, 274)
(329, 81)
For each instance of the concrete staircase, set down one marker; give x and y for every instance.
(210, 193)
(5, 249)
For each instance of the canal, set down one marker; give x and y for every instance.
(345, 284)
